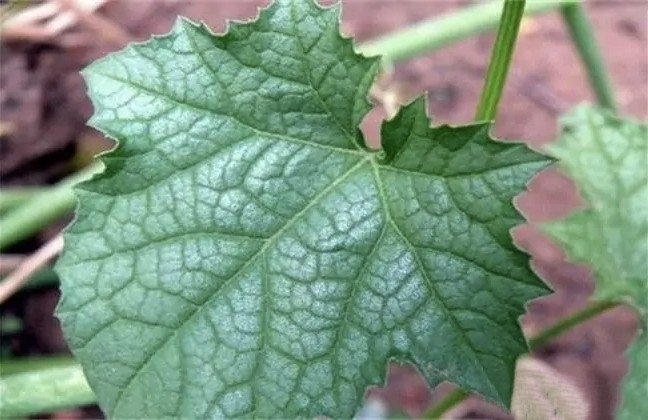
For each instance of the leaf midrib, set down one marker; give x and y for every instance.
(326, 108)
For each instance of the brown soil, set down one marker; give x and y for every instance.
(43, 97)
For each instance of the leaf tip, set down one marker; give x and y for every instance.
(407, 120)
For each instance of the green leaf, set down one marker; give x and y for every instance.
(634, 404)
(245, 255)
(608, 158)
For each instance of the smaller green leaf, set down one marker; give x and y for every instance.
(608, 158)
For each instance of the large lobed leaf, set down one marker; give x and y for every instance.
(244, 255)
(608, 158)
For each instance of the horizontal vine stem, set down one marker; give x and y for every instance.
(451, 27)
(44, 208)
(567, 323)
(37, 386)
(446, 404)
(11, 197)
(536, 342)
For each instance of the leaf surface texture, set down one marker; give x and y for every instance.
(245, 255)
(608, 158)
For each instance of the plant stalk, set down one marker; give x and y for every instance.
(536, 342)
(500, 60)
(567, 323)
(41, 386)
(11, 197)
(447, 403)
(440, 31)
(582, 34)
(44, 208)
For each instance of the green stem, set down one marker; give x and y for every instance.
(567, 323)
(41, 386)
(13, 366)
(43, 209)
(536, 342)
(446, 404)
(500, 60)
(11, 198)
(448, 28)
(582, 33)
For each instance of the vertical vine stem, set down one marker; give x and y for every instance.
(582, 33)
(536, 342)
(500, 59)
